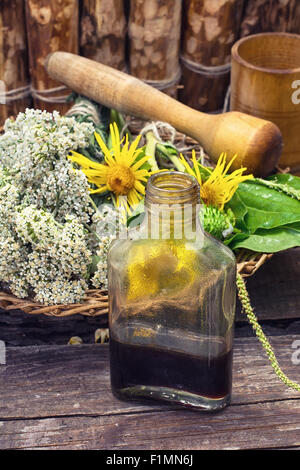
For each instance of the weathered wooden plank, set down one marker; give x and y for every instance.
(267, 425)
(20, 329)
(74, 380)
(59, 398)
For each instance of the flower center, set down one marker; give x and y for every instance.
(120, 179)
(211, 197)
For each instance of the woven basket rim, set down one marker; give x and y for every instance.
(95, 302)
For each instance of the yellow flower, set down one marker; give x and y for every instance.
(121, 174)
(219, 187)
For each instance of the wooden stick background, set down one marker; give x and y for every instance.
(271, 16)
(52, 25)
(209, 30)
(154, 33)
(103, 32)
(13, 55)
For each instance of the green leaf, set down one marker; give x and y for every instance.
(286, 178)
(205, 172)
(287, 184)
(267, 241)
(237, 237)
(295, 226)
(240, 211)
(256, 206)
(166, 150)
(137, 215)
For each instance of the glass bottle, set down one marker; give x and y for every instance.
(171, 303)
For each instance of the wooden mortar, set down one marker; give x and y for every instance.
(265, 82)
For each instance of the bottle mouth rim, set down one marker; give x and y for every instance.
(172, 187)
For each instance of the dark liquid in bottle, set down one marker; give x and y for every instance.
(135, 365)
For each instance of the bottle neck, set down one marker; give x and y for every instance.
(165, 222)
(172, 206)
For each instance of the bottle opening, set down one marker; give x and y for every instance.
(170, 187)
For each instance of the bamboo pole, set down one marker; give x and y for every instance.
(271, 15)
(103, 32)
(210, 29)
(154, 33)
(14, 73)
(52, 25)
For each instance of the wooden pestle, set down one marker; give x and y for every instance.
(256, 142)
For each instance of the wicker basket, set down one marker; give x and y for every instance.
(94, 304)
(96, 301)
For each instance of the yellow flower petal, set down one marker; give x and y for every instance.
(99, 190)
(187, 166)
(139, 163)
(121, 174)
(105, 150)
(132, 151)
(115, 138)
(198, 174)
(83, 161)
(139, 187)
(219, 187)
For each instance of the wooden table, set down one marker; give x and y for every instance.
(59, 397)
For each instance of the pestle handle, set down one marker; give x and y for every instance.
(257, 142)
